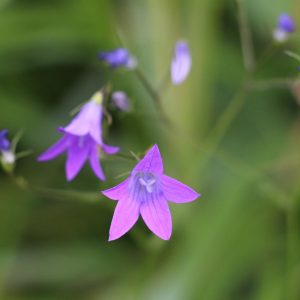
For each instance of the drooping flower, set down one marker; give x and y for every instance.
(82, 140)
(146, 192)
(120, 100)
(119, 57)
(285, 26)
(181, 63)
(4, 142)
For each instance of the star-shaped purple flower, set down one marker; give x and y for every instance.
(119, 57)
(181, 63)
(146, 192)
(4, 142)
(82, 140)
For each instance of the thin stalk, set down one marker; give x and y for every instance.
(154, 96)
(23, 184)
(246, 38)
(292, 253)
(226, 119)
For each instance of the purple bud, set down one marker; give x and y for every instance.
(119, 57)
(120, 100)
(286, 23)
(181, 63)
(285, 26)
(4, 142)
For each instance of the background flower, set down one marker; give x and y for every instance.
(4, 142)
(118, 58)
(285, 26)
(181, 63)
(82, 140)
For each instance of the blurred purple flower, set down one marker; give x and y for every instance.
(4, 142)
(119, 57)
(82, 140)
(285, 26)
(181, 63)
(146, 192)
(120, 100)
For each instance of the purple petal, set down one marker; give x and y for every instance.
(88, 121)
(95, 163)
(77, 155)
(177, 192)
(152, 162)
(110, 149)
(181, 63)
(125, 216)
(56, 149)
(156, 214)
(118, 192)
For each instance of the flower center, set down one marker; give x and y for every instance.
(147, 180)
(144, 186)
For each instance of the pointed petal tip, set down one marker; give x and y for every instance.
(40, 158)
(104, 193)
(102, 178)
(70, 175)
(110, 239)
(164, 237)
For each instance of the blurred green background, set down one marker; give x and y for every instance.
(240, 150)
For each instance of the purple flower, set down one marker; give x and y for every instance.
(120, 100)
(146, 192)
(285, 27)
(181, 63)
(82, 140)
(119, 57)
(4, 142)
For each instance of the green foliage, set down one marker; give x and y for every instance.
(239, 241)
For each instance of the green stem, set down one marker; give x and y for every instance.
(22, 183)
(292, 258)
(154, 96)
(226, 119)
(270, 83)
(246, 39)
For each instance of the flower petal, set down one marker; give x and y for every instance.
(177, 192)
(156, 214)
(181, 63)
(77, 155)
(152, 162)
(110, 149)
(95, 163)
(55, 150)
(118, 192)
(125, 216)
(87, 121)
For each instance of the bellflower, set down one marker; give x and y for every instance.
(285, 27)
(120, 100)
(181, 63)
(119, 57)
(146, 192)
(82, 140)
